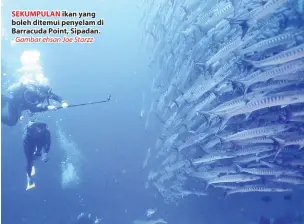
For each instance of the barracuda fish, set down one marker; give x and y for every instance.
(298, 76)
(279, 99)
(233, 104)
(257, 132)
(258, 14)
(176, 166)
(212, 158)
(256, 188)
(194, 140)
(170, 121)
(145, 163)
(280, 58)
(170, 159)
(200, 106)
(226, 186)
(282, 39)
(217, 16)
(165, 177)
(253, 150)
(267, 171)
(297, 140)
(288, 68)
(253, 158)
(230, 47)
(288, 179)
(213, 173)
(273, 86)
(233, 178)
(226, 122)
(264, 140)
(297, 119)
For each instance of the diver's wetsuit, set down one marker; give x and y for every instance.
(36, 137)
(20, 98)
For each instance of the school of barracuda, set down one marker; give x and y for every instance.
(229, 90)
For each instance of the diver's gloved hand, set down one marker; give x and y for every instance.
(64, 105)
(44, 157)
(51, 107)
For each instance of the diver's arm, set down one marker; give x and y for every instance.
(56, 98)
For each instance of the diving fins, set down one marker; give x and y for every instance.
(33, 171)
(30, 183)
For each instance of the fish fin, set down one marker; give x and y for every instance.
(277, 153)
(263, 180)
(247, 115)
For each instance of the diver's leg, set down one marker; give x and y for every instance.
(10, 113)
(29, 149)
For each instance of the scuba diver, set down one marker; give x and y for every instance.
(29, 95)
(36, 143)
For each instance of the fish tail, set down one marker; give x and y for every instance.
(185, 126)
(178, 89)
(159, 117)
(250, 62)
(191, 162)
(226, 195)
(201, 66)
(207, 186)
(175, 148)
(224, 120)
(238, 167)
(279, 143)
(242, 23)
(176, 103)
(222, 140)
(207, 116)
(237, 85)
(287, 115)
(185, 9)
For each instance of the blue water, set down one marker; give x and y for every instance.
(110, 137)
